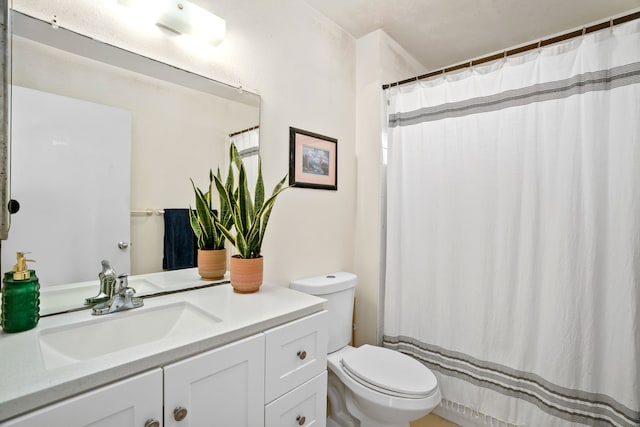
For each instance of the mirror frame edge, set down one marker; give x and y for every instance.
(5, 127)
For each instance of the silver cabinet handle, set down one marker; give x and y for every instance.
(123, 245)
(301, 355)
(152, 423)
(301, 419)
(179, 413)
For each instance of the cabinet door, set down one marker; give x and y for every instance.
(304, 406)
(295, 353)
(220, 388)
(127, 403)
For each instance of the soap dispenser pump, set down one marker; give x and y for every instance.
(20, 297)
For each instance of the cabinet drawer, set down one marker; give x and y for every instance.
(295, 353)
(305, 406)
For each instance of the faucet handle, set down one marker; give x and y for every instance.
(123, 282)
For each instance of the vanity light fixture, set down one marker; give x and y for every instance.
(180, 17)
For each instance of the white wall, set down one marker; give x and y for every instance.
(379, 60)
(303, 66)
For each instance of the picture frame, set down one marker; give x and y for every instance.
(313, 160)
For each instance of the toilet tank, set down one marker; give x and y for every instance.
(339, 291)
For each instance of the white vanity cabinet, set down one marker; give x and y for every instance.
(134, 402)
(275, 378)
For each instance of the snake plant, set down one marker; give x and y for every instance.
(250, 216)
(204, 220)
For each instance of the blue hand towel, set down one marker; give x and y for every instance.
(180, 244)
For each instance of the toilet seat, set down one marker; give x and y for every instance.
(389, 372)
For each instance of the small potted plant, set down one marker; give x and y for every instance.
(212, 254)
(250, 216)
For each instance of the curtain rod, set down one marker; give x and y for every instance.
(231, 135)
(532, 46)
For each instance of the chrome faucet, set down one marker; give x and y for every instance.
(108, 281)
(123, 299)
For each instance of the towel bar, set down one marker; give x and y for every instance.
(148, 212)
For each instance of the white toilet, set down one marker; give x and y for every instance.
(368, 386)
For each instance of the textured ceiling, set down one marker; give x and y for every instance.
(439, 33)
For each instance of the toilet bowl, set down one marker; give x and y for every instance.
(368, 386)
(381, 387)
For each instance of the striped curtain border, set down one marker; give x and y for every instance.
(578, 406)
(248, 152)
(582, 83)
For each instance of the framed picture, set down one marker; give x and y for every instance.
(313, 160)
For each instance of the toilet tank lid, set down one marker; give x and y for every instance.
(326, 283)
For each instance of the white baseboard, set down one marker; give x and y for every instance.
(467, 417)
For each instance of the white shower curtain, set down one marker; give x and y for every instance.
(513, 232)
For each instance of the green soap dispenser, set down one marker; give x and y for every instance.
(20, 297)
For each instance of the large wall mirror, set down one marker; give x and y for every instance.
(107, 138)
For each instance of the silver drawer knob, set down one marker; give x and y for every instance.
(152, 423)
(301, 355)
(301, 420)
(179, 413)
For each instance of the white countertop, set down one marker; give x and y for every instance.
(26, 383)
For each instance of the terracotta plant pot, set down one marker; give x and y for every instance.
(212, 263)
(246, 274)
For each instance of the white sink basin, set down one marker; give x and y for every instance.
(111, 333)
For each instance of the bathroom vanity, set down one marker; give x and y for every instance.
(202, 357)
